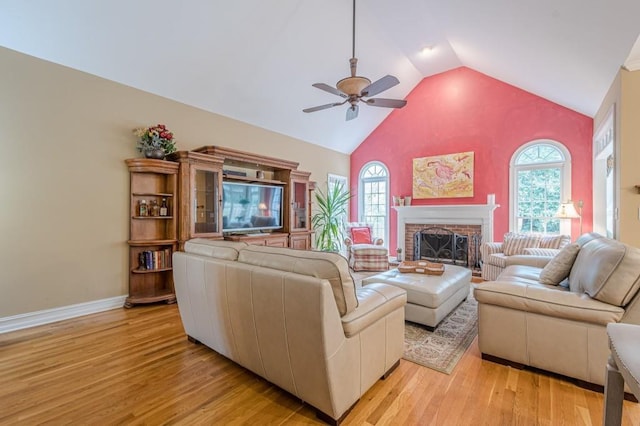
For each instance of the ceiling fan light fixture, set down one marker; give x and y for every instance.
(353, 85)
(356, 88)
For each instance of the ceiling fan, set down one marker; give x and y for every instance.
(356, 88)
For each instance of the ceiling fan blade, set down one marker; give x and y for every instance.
(386, 82)
(386, 103)
(352, 112)
(329, 89)
(321, 107)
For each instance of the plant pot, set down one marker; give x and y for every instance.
(157, 153)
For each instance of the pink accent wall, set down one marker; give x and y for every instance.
(464, 110)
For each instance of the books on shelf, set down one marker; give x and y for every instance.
(154, 259)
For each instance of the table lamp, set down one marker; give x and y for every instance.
(568, 211)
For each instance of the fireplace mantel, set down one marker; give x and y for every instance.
(453, 214)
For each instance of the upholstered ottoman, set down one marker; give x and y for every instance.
(430, 298)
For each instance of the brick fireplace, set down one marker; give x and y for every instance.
(468, 219)
(467, 230)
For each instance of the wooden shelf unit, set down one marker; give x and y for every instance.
(151, 180)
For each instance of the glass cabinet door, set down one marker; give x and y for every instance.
(299, 205)
(205, 202)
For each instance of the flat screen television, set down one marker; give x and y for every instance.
(251, 207)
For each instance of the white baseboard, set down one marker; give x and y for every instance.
(32, 319)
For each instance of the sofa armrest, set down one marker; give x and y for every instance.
(487, 249)
(527, 260)
(541, 252)
(378, 241)
(551, 301)
(375, 301)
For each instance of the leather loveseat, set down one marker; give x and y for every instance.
(561, 326)
(293, 317)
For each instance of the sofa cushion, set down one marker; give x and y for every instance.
(528, 260)
(554, 241)
(559, 267)
(521, 274)
(541, 252)
(220, 249)
(516, 243)
(607, 270)
(320, 264)
(369, 250)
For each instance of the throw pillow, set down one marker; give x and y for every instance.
(361, 235)
(559, 267)
(516, 244)
(554, 241)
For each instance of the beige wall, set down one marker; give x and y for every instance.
(624, 93)
(64, 185)
(629, 158)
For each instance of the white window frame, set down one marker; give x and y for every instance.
(361, 198)
(565, 172)
(333, 179)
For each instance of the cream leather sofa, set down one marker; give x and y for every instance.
(561, 328)
(293, 317)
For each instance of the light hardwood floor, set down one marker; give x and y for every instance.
(136, 366)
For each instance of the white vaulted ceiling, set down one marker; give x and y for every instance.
(255, 60)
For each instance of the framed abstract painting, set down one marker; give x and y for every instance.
(443, 176)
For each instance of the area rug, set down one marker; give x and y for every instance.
(441, 349)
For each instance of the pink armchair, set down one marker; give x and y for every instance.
(365, 252)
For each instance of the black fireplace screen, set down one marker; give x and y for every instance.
(438, 244)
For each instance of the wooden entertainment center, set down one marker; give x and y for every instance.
(192, 181)
(202, 172)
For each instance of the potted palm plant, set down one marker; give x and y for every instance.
(328, 220)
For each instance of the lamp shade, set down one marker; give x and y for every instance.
(567, 211)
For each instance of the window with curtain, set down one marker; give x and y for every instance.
(540, 182)
(374, 198)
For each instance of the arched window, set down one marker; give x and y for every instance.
(374, 198)
(540, 180)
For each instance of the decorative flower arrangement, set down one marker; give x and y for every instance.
(155, 138)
